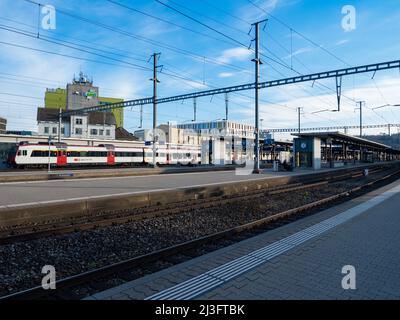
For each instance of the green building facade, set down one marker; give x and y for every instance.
(57, 98)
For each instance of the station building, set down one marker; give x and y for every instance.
(224, 127)
(335, 149)
(221, 141)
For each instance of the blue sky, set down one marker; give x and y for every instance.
(191, 51)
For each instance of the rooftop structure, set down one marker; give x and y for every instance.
(80, 94)
(3, 125)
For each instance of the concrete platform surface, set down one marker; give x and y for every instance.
(27, 193)
(46, 192)
(301, 260)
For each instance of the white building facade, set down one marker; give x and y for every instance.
(95, 125)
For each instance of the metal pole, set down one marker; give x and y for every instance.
(256, 91)
(360, 119)
(226, 106)
(298, 111)
(194, 108)
(49, 166)
(59, 125)
(155, 81)
(141, 116)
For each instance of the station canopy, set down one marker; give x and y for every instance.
(340, 138)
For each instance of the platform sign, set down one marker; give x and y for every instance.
(269, 142)
(148, 143)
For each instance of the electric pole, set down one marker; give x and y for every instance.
(194, 109)
(141, 116)
(257, 62)
(59, 125)
(155, 57)
(299, 118)
(360, 103)
(226, 106)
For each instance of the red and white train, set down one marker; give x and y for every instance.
(61, 155)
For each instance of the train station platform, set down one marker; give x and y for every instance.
(27, 193)
(13, 175)
(300, 260)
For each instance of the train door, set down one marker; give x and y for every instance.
(61, 153)
(110, 157)
(61, 158)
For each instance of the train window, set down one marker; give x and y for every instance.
(25, 152)
(73, 154)
(19, 153)
(188, 155)
(162, 155)
(42, 153)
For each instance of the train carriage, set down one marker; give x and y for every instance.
(61, 155)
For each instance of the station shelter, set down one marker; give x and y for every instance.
(335, 149)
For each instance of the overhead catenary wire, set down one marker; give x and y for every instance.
(307, 39)
(159, 44)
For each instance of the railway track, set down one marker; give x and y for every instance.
(52, 228)
(65, 286)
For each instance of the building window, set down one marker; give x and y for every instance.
(62, 130)
(78, 130)
(93, 132)
(54, 130)
(108, 133)
(101, 132)
(78, 121)
(46, 130)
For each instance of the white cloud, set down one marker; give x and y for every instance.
(234, 54)
(267, 5)
(225, 75)
(341, 42)
(298, 52)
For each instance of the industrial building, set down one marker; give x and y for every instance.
(3, 125)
